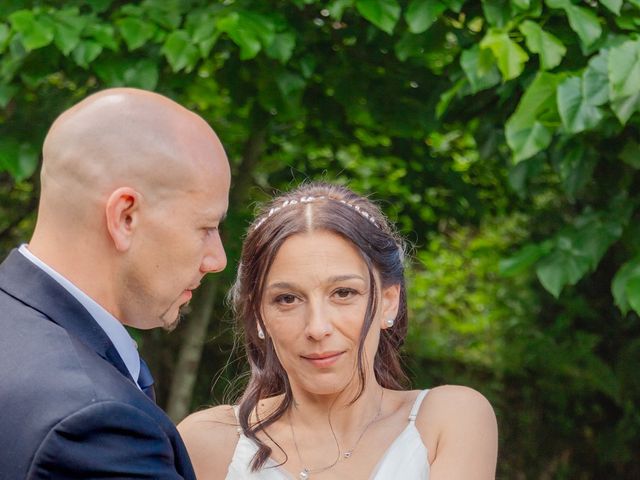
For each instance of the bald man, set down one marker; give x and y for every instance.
(134, 188)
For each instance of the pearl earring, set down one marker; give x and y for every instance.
(389, 322)
(260, 334)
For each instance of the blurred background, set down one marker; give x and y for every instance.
(501, 136)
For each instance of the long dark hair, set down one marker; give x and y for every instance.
(314, 206)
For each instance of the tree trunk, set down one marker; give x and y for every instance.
(185, 373)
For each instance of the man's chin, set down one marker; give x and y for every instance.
(170, 325)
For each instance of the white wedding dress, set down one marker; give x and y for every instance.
(406, 457)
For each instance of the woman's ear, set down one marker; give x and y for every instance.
(390, 305)
(122, 215)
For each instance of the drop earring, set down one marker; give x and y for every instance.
(260, 333)
(389, 322)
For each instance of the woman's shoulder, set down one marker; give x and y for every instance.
(449, 404)
(456, 423)
(210, 436)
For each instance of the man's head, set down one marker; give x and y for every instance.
(134, 187)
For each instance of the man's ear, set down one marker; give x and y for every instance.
(122, 211)
(390, 305)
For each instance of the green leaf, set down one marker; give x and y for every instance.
(103, 34)
(624, 79)
(548, 47)
(576, 111)
(128, 72)
(580, 249)
(409, 45)
(560, 269)
(34, 34)
(630, 154)
(282, 47)
(629, 272)
(521, 4)
(5, 35)
(497, 12)
(595, 79)
(289, 83)
(576, 165)
(98, 6)
(135, 31)
(250, 31)
(384, 14)
(585, 23)
(523, 260)
(6, 94)
(448, 96)
(337, 8)
(480, 68)
(421, 14)
(613, 5)
(525, 131)
(86, 52)
(632, 292)
(19, 159)
(510, 56)
(180, 51)
(68, 28)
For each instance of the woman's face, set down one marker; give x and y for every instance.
(313, 307)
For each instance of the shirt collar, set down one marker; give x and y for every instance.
(122, 341)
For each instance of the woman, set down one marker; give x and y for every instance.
(320, 295)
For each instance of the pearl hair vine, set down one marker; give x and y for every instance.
(309, 199)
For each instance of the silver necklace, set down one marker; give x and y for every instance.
(306, 472)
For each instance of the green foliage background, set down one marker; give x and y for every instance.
(502, 136)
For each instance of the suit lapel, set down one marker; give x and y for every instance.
(32, 286)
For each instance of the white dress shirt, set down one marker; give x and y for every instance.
(125, 345)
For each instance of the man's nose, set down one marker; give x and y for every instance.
(214, 259)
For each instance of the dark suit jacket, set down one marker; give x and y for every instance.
(68, 406)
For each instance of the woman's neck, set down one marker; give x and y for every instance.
(311, 411)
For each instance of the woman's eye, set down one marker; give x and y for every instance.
(345, 293)
(286, 299)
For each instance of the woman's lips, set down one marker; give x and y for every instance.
(322, 360)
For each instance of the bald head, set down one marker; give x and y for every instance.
(124, 137)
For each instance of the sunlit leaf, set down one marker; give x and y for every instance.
(480, 68)
(613, 5)
(596, 79)
(421, 14)
(135, 31)
(624, 79)
(585, 23)
(34, 33)
(180, 51)
(525, 131)
(509, 55)
(86, 52)
(576, 111)
(548, 47)
(384, 14)
(630, 271)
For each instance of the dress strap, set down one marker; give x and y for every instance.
(416, 405)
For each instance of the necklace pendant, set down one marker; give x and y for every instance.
(347, 454)
(304, 474)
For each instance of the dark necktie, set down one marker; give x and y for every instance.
(145, 380)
